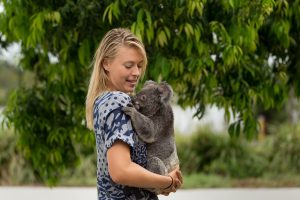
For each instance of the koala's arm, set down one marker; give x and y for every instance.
(143, 125)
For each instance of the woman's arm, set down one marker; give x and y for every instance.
(123, 171)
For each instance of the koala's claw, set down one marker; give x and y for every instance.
(128, 110)
(130, 105)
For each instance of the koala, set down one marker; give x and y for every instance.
(153, 120)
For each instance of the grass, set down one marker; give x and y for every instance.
(201, 180)
(216, 181)
(205, 181)
(75, 181)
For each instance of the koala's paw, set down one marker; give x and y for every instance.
(128, 110)
(129, 104)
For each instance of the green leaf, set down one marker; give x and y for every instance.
(161, 38)
(84, 52)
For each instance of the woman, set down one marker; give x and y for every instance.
(119, 62)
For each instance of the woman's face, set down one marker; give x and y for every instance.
(124, 70)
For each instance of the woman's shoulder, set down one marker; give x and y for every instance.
(113, 99)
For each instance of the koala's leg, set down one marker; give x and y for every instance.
(156, 165)
(143, 125)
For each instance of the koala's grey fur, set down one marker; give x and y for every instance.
(153, 120)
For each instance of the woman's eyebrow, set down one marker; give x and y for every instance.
(142, 61)
(130, 61)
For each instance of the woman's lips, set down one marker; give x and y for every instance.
(132, 82)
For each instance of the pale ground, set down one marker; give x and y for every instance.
(89, 193)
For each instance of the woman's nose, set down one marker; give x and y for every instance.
(136, 71)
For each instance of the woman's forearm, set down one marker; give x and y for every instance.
(123, 171)
(137, 176)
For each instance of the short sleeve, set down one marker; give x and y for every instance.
(116, 124)
(118, 127)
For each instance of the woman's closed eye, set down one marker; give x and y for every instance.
(129, 64)
(132, 64)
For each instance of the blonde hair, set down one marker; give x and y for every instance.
(108, 49)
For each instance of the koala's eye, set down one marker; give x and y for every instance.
(143, 97)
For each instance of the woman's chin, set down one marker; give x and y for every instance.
(130, 87)
(130, 90)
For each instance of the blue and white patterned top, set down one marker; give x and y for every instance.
(111, 124)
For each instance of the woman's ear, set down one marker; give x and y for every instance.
(105, 65)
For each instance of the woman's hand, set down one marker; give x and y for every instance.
(177, 182)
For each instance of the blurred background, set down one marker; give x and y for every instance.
(234, 67)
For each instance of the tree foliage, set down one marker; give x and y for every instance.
(229, 53)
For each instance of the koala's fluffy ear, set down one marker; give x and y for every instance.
(149, 82)
(165, 91)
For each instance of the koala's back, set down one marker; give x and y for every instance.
(164, 147)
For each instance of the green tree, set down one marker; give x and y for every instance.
(210, 51)
(9, 79)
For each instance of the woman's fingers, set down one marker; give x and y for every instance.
(177, 183)
(179, 175)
